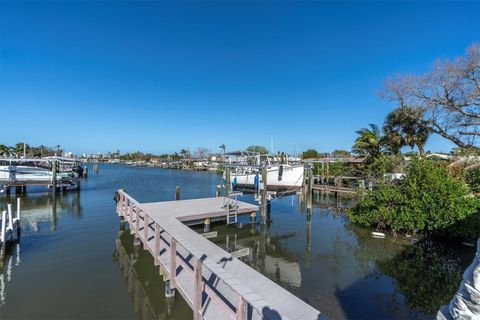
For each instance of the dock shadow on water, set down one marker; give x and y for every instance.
(144, 284)
(73, 254)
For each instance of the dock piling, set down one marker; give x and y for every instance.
(253, 217)
(10, 217)
(206, 226)
(4, 228)
(228, 184)
(54, 176)
(19, 211)
(169, 291)
(263, 205)
(177, 193)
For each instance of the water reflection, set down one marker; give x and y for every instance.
(428, 274)
(10, 261)
(44, 208)
(144, 284)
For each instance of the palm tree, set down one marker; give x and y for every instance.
(223, 147)
(408, 123)
(4, 150)
(393, 142)
(368, 143)
(19, 149)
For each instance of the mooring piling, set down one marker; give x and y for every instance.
(263, 201)
(177, 193)
(54, 176)
(9, 226)
(228, 184)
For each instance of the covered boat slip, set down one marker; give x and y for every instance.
(215, 284)
(53, 171)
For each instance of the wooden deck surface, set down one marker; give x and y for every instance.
(215, 284)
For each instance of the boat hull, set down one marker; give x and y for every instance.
(289, 178)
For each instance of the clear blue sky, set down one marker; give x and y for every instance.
(158, 77)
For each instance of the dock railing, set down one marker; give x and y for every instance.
(239, 303)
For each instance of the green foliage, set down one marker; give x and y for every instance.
(427, 199)
(385, 164)
(427, 276)
(310, 153)
(335, 169)
(259, 149)
(368, 143)
(461, 152)
(406, 127)
(341, 154)
(472, 178)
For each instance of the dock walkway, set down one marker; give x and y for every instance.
(214, 284)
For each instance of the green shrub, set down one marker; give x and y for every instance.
(427, 199)
(385, 164)
(472, 178)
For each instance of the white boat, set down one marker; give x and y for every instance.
(280, 176)
(31, 172)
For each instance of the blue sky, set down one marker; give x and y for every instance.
(158, 77)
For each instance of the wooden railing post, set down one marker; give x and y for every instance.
(197, 289)
(156, 257)
(124, 204)
(129, 217)
(137, 220)
(173, 261)
(241, 307)
(145, 231)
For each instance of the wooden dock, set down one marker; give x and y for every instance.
(214, 284)
(327, 188)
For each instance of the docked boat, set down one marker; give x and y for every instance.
(247, 175)
(15, 172)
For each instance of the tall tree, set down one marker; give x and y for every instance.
(405, 126)
(448, 96)
(310, 153)
(202, 153)
(368, 143)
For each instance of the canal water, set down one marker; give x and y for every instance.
(73, 260)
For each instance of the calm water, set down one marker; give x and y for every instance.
(75, 262)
